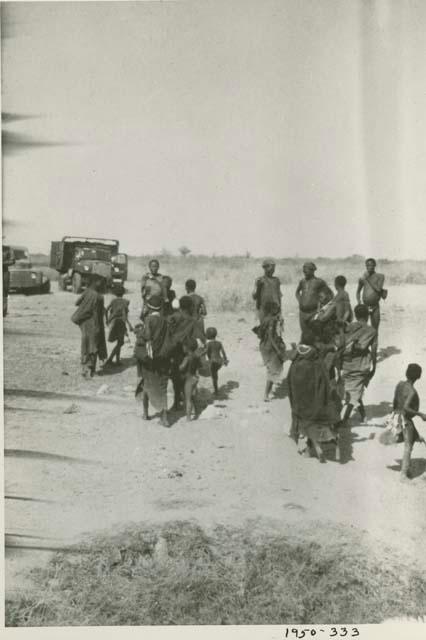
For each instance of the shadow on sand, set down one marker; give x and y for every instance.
(42, 455)
(113, 368)
(417, 466)
(205, 397)
(387, 352)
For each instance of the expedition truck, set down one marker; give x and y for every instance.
(23, 277)
(77, 259)
(8, 261)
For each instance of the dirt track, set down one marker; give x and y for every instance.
(76, 461)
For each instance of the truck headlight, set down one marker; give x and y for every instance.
(116, 269)
(34, 276)
(86, 268)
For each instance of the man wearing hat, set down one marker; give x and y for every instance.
(267, 288)
(152, 284)
(307, 294)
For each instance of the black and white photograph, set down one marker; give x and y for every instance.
(214, 290)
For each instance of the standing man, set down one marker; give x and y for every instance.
(267, 288)
(371, 285)
(89, 316)
(152, 284)
(307, 294)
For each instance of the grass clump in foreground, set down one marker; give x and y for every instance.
(177, 574)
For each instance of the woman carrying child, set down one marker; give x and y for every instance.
(89, 316)
(152, 352)
(272, 347)
(313, 407)
(182, 326)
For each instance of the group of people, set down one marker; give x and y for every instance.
(330, 367)
(171, 340)
(335, 359)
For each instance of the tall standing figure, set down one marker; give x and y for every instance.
(182, 326)
(371, 286)
(358, 361)
(307, 294)
(267, 289)
(152, 284)
(152, 353)
(89, 316)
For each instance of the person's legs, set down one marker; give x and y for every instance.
(164, 419)
(303, 321)
(375, 317)
(120, 343)
(268, 389)
(84, 355)
(194, 397)
(215, 377)
(177, 389)
(93, 357)
(188, 389)
(145, 404)
(317, 447)
(361, 410)
(409, 436)
(111, 355)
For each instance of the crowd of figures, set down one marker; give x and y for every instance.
(172, 341)
(330, 367)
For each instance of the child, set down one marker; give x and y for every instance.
(342, 302)
(199, 310)
(189, 369)
(169, 307)
(117, 319)
(406, 405)
(216, 355)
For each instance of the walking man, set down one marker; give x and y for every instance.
(371, 286)
(152, 284)
(267, 289)
(307, 294)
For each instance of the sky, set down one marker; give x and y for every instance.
(280, 128)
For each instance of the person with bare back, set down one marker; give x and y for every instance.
(371, 287)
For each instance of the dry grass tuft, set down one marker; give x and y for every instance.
(177, 574)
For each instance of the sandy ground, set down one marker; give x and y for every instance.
(79, 458)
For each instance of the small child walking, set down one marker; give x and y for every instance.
(216, 356)
(171, 303)
(189, 369)
(117, 319)
(342, 302)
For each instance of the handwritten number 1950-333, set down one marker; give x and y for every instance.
(332, 632)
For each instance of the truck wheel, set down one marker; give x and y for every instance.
(62, 286)
(45, 287)
(76, 283)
